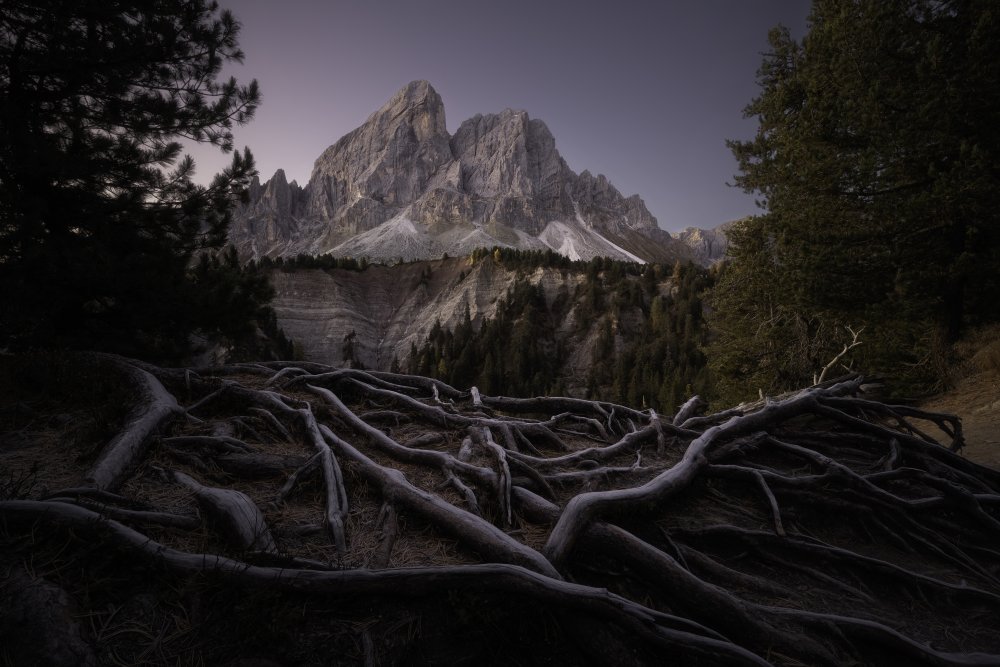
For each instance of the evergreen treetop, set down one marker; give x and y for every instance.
(99, 216)
(875, 160)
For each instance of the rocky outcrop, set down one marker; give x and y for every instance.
(270, 217)
(510, 164)
(400, 186)
(708, 246)
(600, 204)
(370, 174)
(391, 307)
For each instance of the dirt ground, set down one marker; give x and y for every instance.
(976, 399)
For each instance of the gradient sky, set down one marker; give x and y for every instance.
(643, 91)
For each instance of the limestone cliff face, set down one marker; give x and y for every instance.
(602, 205)
(271, 216)
(392, 307)
(370, 174)
(708, 246)
(510, 165)
(400, 186)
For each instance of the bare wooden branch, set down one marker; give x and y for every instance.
(585, 507)
(847, 348)
(503, 474)
(692, 407)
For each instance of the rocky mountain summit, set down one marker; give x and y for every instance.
(707, 245)
(401, 187)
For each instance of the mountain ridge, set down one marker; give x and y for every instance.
(400, 187)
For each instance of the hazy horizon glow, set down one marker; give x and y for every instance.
(644, 94)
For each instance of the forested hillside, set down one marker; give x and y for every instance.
(628, 332)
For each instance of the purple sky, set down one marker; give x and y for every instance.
(643, 91)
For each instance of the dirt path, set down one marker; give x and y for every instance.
(976, 399)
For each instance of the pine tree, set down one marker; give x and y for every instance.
(99, 217)
(875, 160)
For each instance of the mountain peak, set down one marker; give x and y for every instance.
(708, 245)
(418, 89)
(401, 186)
(415, 94)
(417, 105)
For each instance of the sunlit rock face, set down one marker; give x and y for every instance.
(707, 246)
(401, 187)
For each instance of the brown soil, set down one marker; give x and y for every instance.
(976, 400)
(975, 397)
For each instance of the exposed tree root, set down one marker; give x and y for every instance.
(155, 405)
(820, 528)
(236, 516)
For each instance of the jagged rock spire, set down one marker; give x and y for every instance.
(401, 185)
